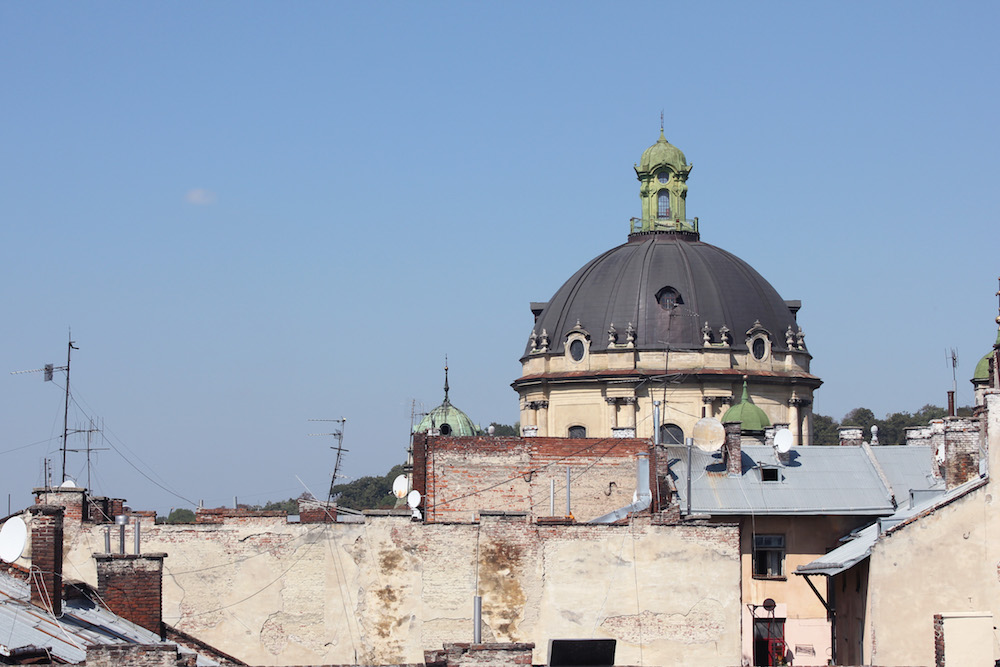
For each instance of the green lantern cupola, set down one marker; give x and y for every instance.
(752, 418)
(663, 172)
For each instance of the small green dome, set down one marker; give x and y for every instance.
(749, 415)
(982, 373)
(660, 154)
(446, 419)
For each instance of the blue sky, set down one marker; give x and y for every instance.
(253, 214)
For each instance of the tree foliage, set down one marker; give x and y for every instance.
(891, 430)
(506, 429)
(180, 515)
(368, 493)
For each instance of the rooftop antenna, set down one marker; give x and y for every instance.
(88, 449)
(661, 120)
(339, 435)
(48, 369)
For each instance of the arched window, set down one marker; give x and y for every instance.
(671, 434)
(578, 431)
(663, 205)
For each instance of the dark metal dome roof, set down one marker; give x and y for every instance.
(625, 285)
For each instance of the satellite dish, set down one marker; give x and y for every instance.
(68, 484)
(13, 537)
(492, 429)
(413, 499)
(783, 440)
(399, 487)
(709, 434)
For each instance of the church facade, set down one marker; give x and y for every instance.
(664, 323)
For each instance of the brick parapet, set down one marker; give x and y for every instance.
(138, 655)
(239, 516)
(71, 499)
(317, 511)
(47, 557)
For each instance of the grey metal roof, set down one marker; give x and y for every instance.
(81, 624)
(907, 471)
(620, 286)
(858, 545)
(816, 480)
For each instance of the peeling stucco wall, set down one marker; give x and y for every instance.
(382, 592)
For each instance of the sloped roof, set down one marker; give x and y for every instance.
(858, 545)
(81, 624)
(815, 480)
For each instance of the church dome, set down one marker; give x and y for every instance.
(752, 418)
(667, 287)
(662, 153)
(982, 373)
(446, 419)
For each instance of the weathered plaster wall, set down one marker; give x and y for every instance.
(944, 561)
(381, 592)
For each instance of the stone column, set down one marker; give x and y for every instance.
(612, 412)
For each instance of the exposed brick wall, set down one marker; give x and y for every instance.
(481, 655)
(228, 514)
(459, 476)
(961, 450)
(938, 640)
(137, 655)
(132, 587)
(47, 557)
(733, 449)
(317, 511)
(72, 500)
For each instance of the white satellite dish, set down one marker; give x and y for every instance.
(413, 499)
(708, 434)
(68, 484)
(399, 487)
(13, 537)
(492, 429)
(783, 440)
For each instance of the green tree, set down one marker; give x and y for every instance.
(368, 492)
(825, 430)
(506, 429)
(180, 516)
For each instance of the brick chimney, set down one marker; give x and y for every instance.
(851, 435)
(732, 449)
(961, 450)
(132, 587)
(47, 557)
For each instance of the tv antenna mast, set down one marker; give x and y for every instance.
(339, 448)
(49, 369)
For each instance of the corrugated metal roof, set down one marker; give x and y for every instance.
(815, 480)
(81, 624)
(908, 471)
(861, 541)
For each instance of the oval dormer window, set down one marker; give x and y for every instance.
(576, 350)
(663, 176)
(445, 429)
(669, 298)
(759, 349)
(663, 205)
